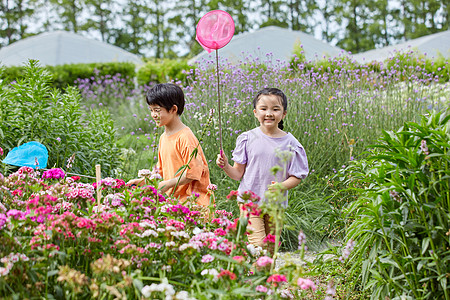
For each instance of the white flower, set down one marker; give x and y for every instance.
(197, 231)
(144, 172)
(155, 176)
(146, 291)
(170, 244)
(148, 232)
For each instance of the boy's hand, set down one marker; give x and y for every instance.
(221, 160)
(138, 181)
(163, 186)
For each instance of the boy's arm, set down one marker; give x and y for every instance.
(163, 186)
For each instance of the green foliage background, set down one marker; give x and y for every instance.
(31, 110)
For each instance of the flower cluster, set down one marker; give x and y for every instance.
(276, 279)
(55, 173)
(9, 262)
(136, 230)
(305, 284)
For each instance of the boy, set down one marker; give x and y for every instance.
(166, 103)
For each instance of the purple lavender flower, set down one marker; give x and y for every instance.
(424, 147)
(347, 250)
(301, 241)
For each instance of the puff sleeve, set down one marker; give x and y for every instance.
(298, 166)
(240, 152)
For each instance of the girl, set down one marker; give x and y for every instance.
(255, 155)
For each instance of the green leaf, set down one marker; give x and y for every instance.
(425, 244)
(138, 284)
(52, 273)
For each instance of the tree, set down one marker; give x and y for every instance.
(187, 15)
(301, 14)
(158, 26)
(381, 28)
(273, 10)
(131, 36)
(70, 12)
(100, 17)
(331, 16)
(13, 19)
(356, 36)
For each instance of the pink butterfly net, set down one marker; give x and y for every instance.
(214, 30)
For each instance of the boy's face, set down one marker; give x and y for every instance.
(161, 115)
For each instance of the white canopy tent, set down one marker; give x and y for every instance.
(270, 43)
(62, 47)
(432, 45)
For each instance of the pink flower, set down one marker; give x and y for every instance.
(264, 261)
(1, 151)
(239, 258)
(261, 289)
(305, 284)
(275, 279)
(233, 195)
(207, 258)
(211, 187)
(55, 173)
(270, 238)
(220, 232)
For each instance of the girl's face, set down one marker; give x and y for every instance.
(269, 111)
(161, 115)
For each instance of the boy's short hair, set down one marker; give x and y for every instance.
(166, 95)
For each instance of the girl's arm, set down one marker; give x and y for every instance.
(234, 172)
(291, 182)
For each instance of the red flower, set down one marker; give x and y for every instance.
(227, 273)
(75, 178)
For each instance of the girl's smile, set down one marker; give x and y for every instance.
(269, 112)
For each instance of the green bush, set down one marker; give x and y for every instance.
(31, 110)
(400, 221)
(163, 71)
(65, 75)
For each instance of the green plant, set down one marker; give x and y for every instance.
(414, 63)
(400, 221)
(163, 71)
(66, 75)
(31, 110)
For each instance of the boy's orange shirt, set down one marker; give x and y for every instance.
(174, 152)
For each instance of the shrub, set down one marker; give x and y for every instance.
(30, 110)
(400, 221)
(65, 75)
(163, 71)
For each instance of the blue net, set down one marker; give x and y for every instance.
(27, 154)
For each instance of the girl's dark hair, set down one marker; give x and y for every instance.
(166, 95)
(275, 92)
